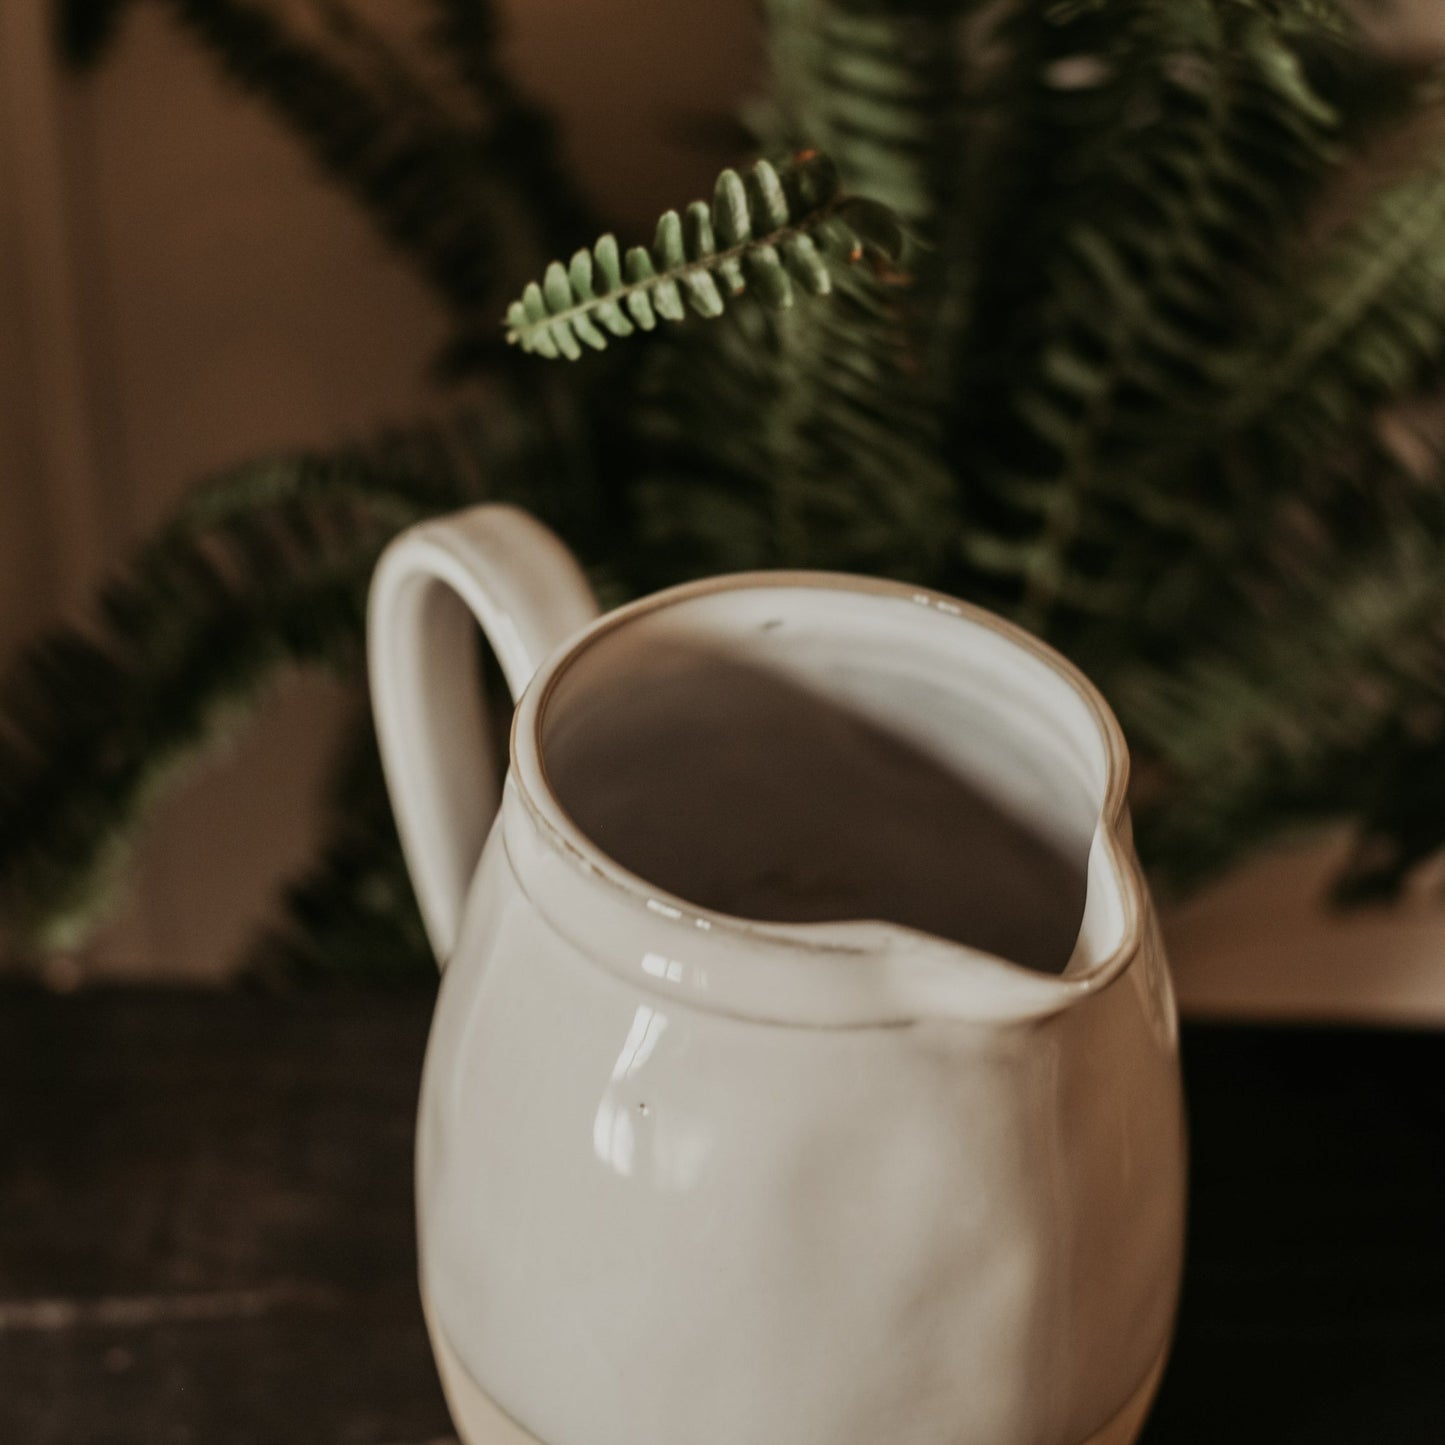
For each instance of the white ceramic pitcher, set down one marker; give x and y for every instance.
(686, 1178)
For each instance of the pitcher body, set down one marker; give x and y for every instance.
(686, 1175)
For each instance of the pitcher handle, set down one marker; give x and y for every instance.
(497, 567)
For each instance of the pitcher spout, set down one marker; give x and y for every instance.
(934, 977)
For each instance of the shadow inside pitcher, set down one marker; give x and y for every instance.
(785, 768)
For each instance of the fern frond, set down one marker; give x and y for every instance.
(393, 481)
(461, 202)
(523, 139)
(1364, 323)
(467, 31)
(875, 84)
(94, 723)
(1335, 20)
(761, 235)
(263, 567)
(1358, 329)
(531, 447)
(418, 183)
(1141, 201)
(882, 87)
(84, 29)
(1290, 714)
(520, 137)
(793, 439)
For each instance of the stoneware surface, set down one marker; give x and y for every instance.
(686, 1176)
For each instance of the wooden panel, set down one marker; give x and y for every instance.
(206, 1229)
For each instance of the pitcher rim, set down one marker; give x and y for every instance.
(844, 938)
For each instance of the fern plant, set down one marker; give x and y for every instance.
(1123, 317)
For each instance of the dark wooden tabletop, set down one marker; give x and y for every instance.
(206, 1228)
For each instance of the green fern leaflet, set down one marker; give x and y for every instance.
(762, 234)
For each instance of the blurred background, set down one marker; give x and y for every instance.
(179, 288)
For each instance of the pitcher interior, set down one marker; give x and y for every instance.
(807, 754)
